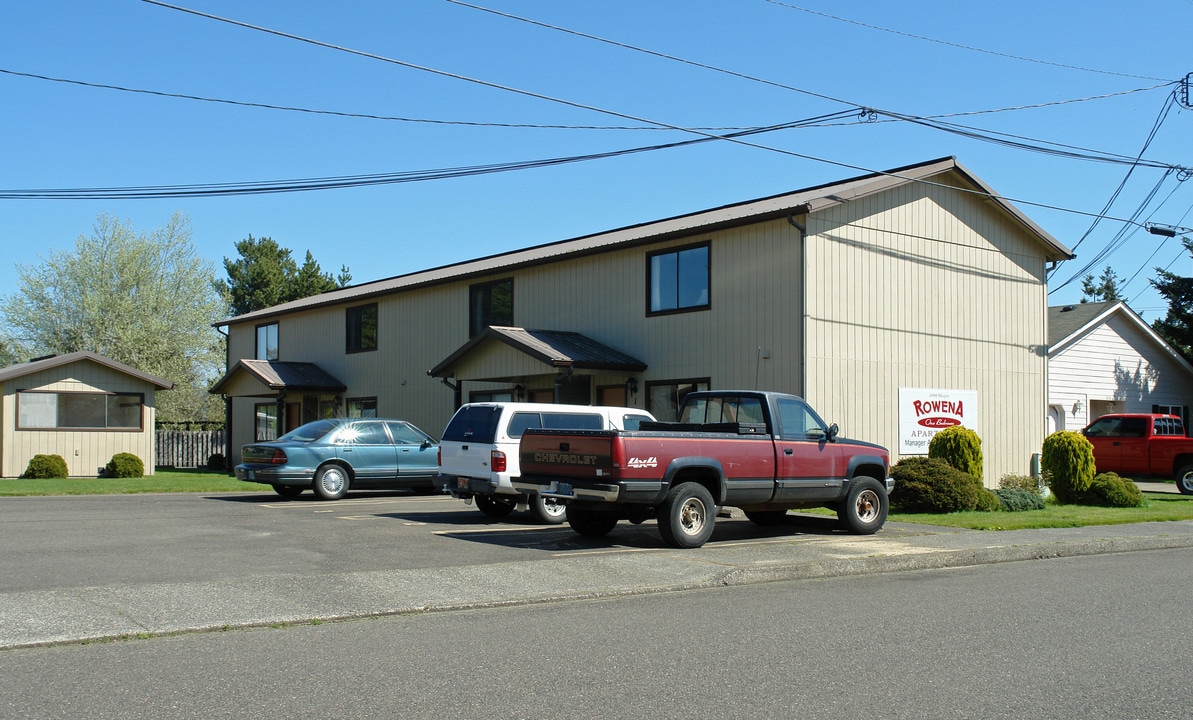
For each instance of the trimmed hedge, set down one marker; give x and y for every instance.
(960, 447)
(1109, 490)
(42, 467)
(1015, 499)
(125, 465)
(1068, 464)
(929, 485)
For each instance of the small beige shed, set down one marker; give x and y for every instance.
(82, 406)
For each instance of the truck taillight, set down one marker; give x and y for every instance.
(497, 461)
(439, 457)
(617, 454)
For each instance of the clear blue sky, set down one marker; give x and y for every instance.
(932, 58)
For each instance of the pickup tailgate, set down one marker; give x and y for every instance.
(580, 454)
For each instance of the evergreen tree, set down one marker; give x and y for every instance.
(266, 274)
(1106, 289)
(1176, 326)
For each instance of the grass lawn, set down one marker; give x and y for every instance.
(1157, 507)
(162, 481)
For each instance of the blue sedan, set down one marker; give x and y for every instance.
(331, 455)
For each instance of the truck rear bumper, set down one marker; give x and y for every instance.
(565, 490)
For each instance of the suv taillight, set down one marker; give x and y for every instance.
(497, 461)
(439, 457)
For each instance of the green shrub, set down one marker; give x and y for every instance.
(1016, 499)
(1110, 490)
(960, 447)
(125, 465)
(929, 485)
(217, 462)
(1020, 482)
(1068, 460)
(988, 501)
(42, 467)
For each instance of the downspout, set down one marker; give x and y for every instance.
(803, 281)
(227, 403)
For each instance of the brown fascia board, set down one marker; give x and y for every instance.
(703, 221)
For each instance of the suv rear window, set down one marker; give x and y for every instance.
(521, 421)
(473, 424)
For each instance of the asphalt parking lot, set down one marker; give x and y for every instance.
(96, 567)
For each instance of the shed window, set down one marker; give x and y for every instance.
(81, 410)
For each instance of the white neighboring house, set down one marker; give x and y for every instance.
(1103, 358)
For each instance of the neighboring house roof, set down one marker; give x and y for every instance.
(1069, 323)
(278, 375)
(556, 348)
(53, 361)
(777, 206)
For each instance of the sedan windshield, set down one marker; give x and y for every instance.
(311, 431)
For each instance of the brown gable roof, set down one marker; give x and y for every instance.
(557, 348)
(53, 361)
(276, 374)
(776, 206)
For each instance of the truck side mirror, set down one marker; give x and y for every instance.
(832, 432)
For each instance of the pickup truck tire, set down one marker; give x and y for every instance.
(495, 507)
(863, 512)
(331, 482)
(548, 510)
(1184, 480)
(591, 523)
(767, 517)
(687, 516)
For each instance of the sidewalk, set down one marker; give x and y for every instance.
(95, 613)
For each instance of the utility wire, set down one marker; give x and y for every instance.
(953, 44)
(347, 181)
(729, 137)
(933, 121)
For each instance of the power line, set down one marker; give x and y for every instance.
(338, 113)
(953, 44)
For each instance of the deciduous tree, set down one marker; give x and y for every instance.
(143, 299)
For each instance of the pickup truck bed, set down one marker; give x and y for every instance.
(781, 457)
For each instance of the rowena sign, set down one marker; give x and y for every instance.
(924, 412)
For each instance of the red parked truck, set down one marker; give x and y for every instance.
(1143, 445)
(763, 452)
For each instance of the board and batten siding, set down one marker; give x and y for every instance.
(86, 452)
(927, 287)
(754, 308)
(1115, 361)
(754, 312)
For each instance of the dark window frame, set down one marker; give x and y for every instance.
(269, 410)
(678, 382)
(480, 306)
(356, 338)
(651, 311)
(362, 402)
(79, 396)
(257, 351)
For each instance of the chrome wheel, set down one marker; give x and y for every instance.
(867, 506)
(331, 482)
(692, 516)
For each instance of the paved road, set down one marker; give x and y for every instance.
(1064, 638)
(82, 568)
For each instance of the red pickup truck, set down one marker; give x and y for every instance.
(1143, 444)
(763, 452)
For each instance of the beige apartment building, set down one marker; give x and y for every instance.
(896, 303)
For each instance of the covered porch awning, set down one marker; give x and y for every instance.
(269, 378)
(504, 354)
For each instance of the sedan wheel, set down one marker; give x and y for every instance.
(331, 482)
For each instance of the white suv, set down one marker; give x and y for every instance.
(479, 450)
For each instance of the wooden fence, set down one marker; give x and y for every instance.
(189, 448)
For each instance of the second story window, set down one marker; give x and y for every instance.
(490, 304)
(267, 342)
(361, 328)
(677, 280)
